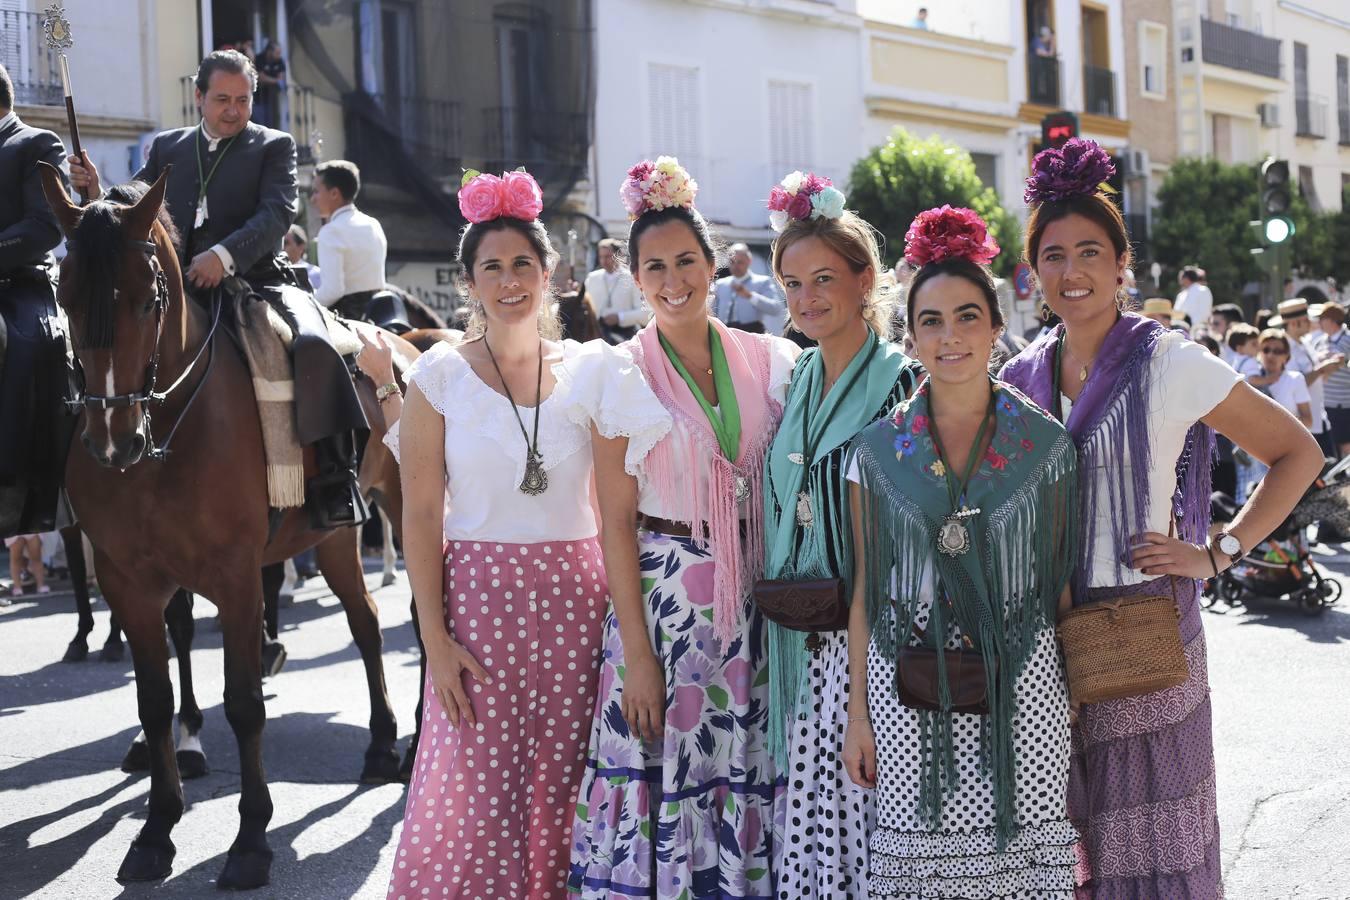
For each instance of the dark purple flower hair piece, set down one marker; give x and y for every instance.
(1077, 169)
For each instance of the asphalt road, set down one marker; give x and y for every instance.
(67, 814)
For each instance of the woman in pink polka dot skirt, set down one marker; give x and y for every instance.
(680, 799)
(500, 541)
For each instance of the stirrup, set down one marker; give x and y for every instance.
(335, 501)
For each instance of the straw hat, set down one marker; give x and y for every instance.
(1292, 309)
(1157, 306)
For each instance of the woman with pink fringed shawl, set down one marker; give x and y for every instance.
(680, 794)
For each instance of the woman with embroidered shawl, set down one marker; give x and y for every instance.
(827, 261)
(963, 508)
(680, 795)
(1142, 404)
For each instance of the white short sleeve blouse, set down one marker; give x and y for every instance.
(485, 450)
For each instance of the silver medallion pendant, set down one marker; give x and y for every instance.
(806, 513)
(535, 481)
(797, 458)
(953, 537)
(742, 489)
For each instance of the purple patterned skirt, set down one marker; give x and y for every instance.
(1141, 780)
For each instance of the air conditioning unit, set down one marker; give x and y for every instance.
(1270, 114)
(1136, 163)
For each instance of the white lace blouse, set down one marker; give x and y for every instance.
(485, 451)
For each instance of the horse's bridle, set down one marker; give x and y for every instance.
(148, 393)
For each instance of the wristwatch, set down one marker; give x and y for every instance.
(1228, 545)
(385, 391)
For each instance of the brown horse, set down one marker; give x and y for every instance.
(194, 515)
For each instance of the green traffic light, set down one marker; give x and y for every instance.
(1278, 230)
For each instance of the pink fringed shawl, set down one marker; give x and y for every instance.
(671, 470)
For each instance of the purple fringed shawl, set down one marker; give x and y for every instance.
(1111, 413)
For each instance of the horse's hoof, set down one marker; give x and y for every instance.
(145, 862)
(137, 758)
(76, 651)
(191, 764)
(112, 652)
(409, 760)
(245, 870)
(388, 579)
(382, 767)
(273, 658)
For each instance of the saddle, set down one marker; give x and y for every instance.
(383, 308)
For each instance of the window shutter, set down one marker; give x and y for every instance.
(673, 97)
(790, 127)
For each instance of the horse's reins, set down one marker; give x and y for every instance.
(148, 394)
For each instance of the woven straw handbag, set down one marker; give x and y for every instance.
(1123, 648)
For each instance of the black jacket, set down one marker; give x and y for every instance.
(252, 197)
(28, 229)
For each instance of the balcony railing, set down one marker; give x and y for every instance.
(1099, 91)
(1043, 80)
(295, 115)
(1237, 48)
(520, 136)
(1310, 116)
(428, 129)
(34, 69)
(1343, 119)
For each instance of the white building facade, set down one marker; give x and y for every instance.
(767, 87)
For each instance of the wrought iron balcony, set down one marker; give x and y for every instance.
(1343, 119)
(1238, 48)
(428, 129)
(34, 69)
(1099, 91)
(521, 136)
(295, 115)
(1310, 116)
(1043, 80)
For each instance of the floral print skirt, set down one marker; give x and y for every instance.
(695, 814)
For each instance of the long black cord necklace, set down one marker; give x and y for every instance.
(535, 481)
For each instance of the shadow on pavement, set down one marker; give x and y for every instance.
(1331, 627)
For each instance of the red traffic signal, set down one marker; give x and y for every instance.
(1057, 128)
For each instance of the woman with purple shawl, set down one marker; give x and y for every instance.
(1142, 405)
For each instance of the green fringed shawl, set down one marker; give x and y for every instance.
(797, 553)
(1003, 591)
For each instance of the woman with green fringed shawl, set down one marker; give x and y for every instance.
(829, 268)
(964, 510)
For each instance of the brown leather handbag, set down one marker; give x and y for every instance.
(816, 605)
(918, 685)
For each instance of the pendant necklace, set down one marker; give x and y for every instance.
(535, 481)
(953, 537)
(1083, 371)
(806, 509)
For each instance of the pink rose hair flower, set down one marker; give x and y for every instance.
(803, 196)
(651, 186)
(515, 195)
(946, 232)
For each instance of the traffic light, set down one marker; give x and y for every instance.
(1058, 127)
(1276, 227)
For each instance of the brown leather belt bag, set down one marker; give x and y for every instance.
(817, 605)
(919, 686)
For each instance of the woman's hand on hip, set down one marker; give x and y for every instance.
(446, 668)
(1157, 554)
(644, 696)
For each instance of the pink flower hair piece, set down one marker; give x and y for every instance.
(515, 195)
(651, 186)
(946, 232)
(803, 196)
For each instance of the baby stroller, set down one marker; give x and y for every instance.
(1280, 567)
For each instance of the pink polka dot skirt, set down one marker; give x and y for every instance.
(490, 807)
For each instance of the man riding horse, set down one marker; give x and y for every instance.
(32, 347)
(232, 195)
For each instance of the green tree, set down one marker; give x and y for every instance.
(1204, 212)
(904, 176)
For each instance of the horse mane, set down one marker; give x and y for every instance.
(98, 264)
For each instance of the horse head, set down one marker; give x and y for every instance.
(114, 290)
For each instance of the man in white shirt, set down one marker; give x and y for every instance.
(618, 303)
(1194, 298)
(748, 301)
(352, 245)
